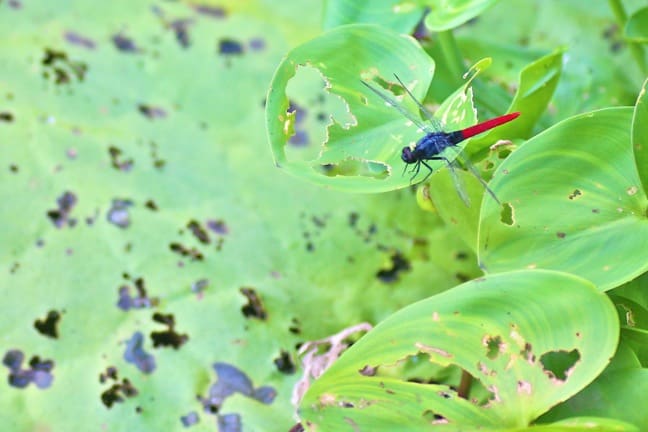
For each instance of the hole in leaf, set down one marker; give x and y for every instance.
(507, 214)
(557, 364)
(493, 346)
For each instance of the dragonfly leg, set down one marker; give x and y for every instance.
(429, 167)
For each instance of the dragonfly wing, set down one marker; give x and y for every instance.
(436, 124)
(453, 167)
(391, 102)
(470, 167)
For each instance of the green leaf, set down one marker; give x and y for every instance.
(361, 152)
(572, 202)
(640, 135)
(636, 27)
(399, 15)
(448, 14)
(618, 395)
(537, 83)
(501, 329)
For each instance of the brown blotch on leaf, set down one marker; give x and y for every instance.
(47, 326)
(254, 307)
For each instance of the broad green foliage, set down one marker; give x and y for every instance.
(636, 29)
(576, 203)
(640, 136)
(159, 270)
(186, 128)
(499, 329)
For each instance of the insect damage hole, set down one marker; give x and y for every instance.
(313, 109)
(559, 364)
(507, 214)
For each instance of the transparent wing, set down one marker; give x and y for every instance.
(459, 157)
(453, 167)
(436, 124)
(417, 121)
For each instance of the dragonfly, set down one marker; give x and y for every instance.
(437, 143)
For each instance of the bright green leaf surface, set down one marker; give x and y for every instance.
(500, 329)
(537, 83)
(199, 154)
(619, 394)
(448, 14)
(362, 152)
(572, 202)
(636, 28)
(640, 135)
(398, 15)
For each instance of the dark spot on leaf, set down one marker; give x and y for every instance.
(285, 363)
(218, 226)
(229, 423)
(368, 370)
(168, 337)
(198, 231)
(14, 267)
(124, 44)
(527, 353)
(118, 212)
(181, 29)
(60, 217)
(295, 327)
(47, 326)
(141, 301)
(150, 204)
(110, 373)
(13, 359)
(138, 409)
(254, 307)
(158, 162)
(506, 215)
(398, 264)
(493, 346)
(595, 211)
(13, 168)
(190, 419)
(117, 162)
(78, 40)
(560, 234)
(575, 194)
(136, 355)
(62, 70)
(228, 46)
(6, 116)
(556, 364)
(462, 277)
(432, 417)
(15, 4)
(461, 256)
(264, 394)
(39, 371)
(297, 428)
(257, 44)
(210, 11)
(192, 253)
(117, 392)
(353, 219)
(152, 112)
(200, 285)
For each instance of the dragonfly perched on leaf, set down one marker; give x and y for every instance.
(436, 144)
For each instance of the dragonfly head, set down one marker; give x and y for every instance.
(407, 155)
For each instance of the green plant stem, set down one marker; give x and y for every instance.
(635, 49)
(452, 55)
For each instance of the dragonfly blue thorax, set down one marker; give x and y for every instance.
(430, 146)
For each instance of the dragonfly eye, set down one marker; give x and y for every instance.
(407, 155)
